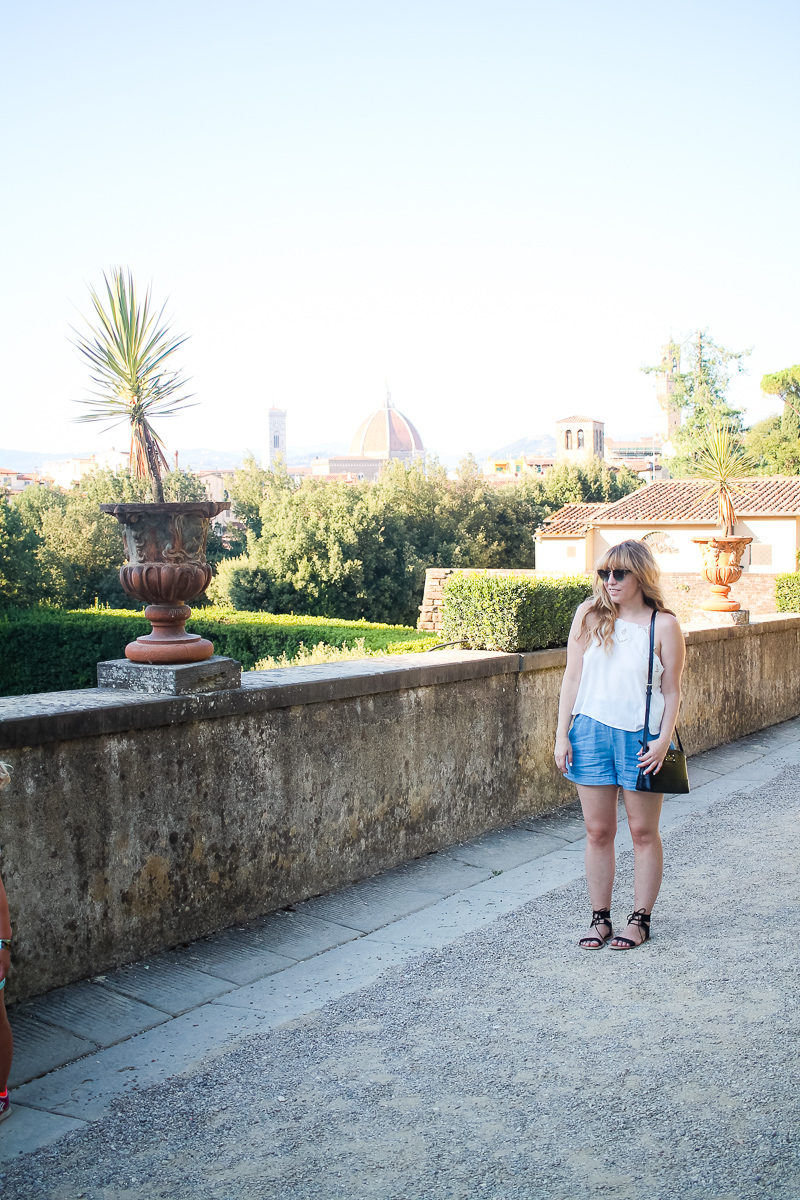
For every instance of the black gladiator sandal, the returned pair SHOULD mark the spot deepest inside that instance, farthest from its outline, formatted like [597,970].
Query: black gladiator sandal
[601,916]
[640,918]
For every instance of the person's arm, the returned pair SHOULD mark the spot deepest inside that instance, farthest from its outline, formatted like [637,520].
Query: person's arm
[576,647]
[672,652]
[5,932]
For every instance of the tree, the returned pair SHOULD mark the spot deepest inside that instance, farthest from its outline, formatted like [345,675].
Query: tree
[251,486]
[361,550]
[127,351]
[80,555]
[701,394]
[33,502]
[773,451]
[19,570]
[786,384]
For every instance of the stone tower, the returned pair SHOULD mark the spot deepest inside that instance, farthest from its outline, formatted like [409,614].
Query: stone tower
[580,438]
[666,383]
[277,436]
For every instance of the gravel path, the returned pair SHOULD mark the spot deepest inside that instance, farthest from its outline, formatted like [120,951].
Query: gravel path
[511,1065]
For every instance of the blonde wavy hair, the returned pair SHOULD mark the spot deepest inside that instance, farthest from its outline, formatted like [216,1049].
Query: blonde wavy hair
[636,557]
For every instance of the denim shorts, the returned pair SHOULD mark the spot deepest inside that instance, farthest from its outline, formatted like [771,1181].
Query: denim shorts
[602,755]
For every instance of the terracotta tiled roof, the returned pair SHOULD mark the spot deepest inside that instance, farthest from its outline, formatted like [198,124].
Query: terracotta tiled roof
[594,420]
[689,501]
[573,520]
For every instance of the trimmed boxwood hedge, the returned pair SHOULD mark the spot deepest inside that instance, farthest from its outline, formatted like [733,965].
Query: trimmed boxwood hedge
[51,650]
[787,592]
[504,612]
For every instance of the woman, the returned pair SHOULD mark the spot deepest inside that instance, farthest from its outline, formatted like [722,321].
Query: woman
[600,728]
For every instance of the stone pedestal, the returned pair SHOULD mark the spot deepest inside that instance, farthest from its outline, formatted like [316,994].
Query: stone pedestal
[704,618]
[216,674]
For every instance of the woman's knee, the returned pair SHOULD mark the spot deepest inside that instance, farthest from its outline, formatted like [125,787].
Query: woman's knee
[644,836]
[600,834]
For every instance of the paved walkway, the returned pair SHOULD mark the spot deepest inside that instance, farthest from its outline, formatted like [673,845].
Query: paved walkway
[83,1049]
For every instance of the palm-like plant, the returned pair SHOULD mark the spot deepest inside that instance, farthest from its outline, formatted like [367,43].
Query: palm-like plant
[722,458]
[127,350]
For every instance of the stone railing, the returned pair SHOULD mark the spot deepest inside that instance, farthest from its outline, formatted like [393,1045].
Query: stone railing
[136,822]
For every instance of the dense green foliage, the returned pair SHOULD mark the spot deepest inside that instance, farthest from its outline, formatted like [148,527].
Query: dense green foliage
[787,592]
[361,550]
[774,451]
[495,612]
[48,649]
[19,575]
[786,384]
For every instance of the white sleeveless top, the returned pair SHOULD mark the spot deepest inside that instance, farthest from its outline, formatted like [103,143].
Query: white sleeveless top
[613,687]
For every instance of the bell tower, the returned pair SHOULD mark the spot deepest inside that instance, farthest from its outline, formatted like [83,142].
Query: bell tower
[667,376]
[276,446]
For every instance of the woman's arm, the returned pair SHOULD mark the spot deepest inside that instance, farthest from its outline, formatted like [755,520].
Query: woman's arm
[672,652]
[576,648]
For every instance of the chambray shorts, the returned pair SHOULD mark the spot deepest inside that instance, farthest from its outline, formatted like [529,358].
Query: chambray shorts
[602,755]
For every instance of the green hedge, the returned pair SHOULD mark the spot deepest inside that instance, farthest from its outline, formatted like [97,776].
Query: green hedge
[504,612]
[50,650]
[787,592]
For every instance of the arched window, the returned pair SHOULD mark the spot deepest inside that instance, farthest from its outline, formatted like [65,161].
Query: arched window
[568,440]
[580,439]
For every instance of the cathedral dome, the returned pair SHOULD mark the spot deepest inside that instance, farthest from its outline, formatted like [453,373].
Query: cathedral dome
[386,433]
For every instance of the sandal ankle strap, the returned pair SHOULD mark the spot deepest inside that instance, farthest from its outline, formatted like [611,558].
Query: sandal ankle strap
[640,917]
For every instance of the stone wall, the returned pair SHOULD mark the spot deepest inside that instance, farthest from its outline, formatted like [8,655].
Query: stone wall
[135,823]
[684,592]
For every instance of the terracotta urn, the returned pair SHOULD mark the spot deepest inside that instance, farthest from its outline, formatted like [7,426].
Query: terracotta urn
[722,566]
[165,545]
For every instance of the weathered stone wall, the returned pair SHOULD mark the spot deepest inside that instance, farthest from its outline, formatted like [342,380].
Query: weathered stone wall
[684,593]
[135,823]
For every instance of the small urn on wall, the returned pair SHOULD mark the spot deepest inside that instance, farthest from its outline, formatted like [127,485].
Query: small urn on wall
[722,566]
[165,546]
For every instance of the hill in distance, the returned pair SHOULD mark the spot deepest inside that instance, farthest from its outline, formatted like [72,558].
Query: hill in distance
[538,447]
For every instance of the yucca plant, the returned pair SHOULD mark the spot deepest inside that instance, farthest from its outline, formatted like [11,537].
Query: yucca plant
[127,350]
[722,458]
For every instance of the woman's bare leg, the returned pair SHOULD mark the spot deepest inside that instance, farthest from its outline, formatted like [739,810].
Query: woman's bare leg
[599,806]
[644,814]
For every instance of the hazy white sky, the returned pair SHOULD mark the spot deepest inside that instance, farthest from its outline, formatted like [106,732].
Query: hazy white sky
[502,208]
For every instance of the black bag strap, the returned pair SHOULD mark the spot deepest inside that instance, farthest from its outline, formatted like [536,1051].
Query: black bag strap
[646,730]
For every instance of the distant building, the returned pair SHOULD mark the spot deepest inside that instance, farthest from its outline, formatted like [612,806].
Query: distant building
[72,470]
[640,455]
[666,383]
[515,468]
[385,434]
[14,482]
[579,438]
[277,437]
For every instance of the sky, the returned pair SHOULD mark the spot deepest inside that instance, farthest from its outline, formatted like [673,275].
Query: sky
[498,211]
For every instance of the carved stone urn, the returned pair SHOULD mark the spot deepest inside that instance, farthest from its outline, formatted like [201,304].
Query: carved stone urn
[722,566]
[165,545]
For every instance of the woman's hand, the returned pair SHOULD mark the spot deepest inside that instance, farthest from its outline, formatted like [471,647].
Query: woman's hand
[563,752]
[651,759]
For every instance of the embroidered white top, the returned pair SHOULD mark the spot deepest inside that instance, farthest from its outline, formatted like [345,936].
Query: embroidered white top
[613,686]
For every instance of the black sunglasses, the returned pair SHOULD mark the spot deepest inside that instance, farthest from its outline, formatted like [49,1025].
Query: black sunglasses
[618,572]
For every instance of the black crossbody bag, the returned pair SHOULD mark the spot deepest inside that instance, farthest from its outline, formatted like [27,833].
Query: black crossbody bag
[673,776]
